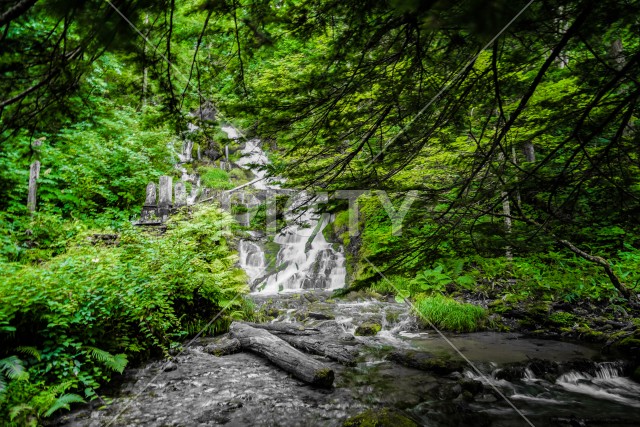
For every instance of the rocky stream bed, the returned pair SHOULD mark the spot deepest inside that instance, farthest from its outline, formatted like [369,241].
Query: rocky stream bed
[401,375]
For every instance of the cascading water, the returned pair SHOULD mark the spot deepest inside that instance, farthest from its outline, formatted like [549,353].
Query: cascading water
[253,258]
[305,260]
[607,383]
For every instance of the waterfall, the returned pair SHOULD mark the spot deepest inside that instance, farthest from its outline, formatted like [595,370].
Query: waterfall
[304,260]
[253,259]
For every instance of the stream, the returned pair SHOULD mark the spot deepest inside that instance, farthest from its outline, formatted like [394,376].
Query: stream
[243,389]
[549,382]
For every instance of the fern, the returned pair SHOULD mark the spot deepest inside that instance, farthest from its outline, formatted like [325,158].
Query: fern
[116,363]
[11,367]
[30,351]
[18,410]
[64,402]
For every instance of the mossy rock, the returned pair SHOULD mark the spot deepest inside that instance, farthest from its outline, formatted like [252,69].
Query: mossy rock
[368,329]
[561,318]
[441,365]
[635,375]
[588,334]
[629,344]
[324,378]
[380,418]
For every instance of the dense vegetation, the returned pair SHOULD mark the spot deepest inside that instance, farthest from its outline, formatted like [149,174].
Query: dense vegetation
[516,137]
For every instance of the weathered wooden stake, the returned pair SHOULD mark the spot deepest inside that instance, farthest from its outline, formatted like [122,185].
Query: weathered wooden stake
[34,173]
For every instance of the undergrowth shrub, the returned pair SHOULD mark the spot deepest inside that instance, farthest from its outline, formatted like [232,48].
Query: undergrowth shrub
[215,178]
[82,315]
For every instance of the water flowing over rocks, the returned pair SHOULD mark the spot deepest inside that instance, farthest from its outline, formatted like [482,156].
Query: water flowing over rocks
[551,382]
[304,259]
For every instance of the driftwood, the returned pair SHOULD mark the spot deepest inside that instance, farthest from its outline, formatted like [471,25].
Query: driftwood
[285,328]
[223,346]
[310,340]
[340,353]
[282,354]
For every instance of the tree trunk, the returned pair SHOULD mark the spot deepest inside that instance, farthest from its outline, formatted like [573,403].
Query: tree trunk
[615,281]
[529,152]
[283,355]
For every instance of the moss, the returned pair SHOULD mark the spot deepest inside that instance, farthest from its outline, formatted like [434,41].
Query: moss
[392,316]
[588,334]
[368,329]
[379,418]
[498,306]
[324,373]
[561,318]
[636,374]
[629,343]
[539,310]
[324,378]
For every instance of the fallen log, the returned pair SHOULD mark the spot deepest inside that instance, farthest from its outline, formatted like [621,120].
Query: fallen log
[223,346]
[282,354]
[323,347]
[285,328]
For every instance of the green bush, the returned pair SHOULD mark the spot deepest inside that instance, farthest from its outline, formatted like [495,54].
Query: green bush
[449,314]
[215,178]
[88,311]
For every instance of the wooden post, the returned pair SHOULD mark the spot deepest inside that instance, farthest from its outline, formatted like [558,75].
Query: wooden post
[34,173]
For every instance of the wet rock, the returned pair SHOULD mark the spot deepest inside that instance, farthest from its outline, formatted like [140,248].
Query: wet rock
[380,418]
[320,316]
[346,337]
[426,361]
[223,345]
[368,329]
[486,398]
[310,297]
[579,365]
[170,367]
[470,385]
[449,391]
[541,367]
[510,373]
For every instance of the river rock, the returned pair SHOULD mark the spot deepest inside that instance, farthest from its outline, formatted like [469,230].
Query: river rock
[368,329]
[426,361]
[170,367]
[486,398]
[380,418]
[320,316]
[470,385]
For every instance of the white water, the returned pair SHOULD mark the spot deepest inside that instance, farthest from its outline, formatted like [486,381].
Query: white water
[254,260]
[606,384]
[305,259]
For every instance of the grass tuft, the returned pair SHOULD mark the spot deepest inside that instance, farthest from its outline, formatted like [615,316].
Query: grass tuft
[449,314]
